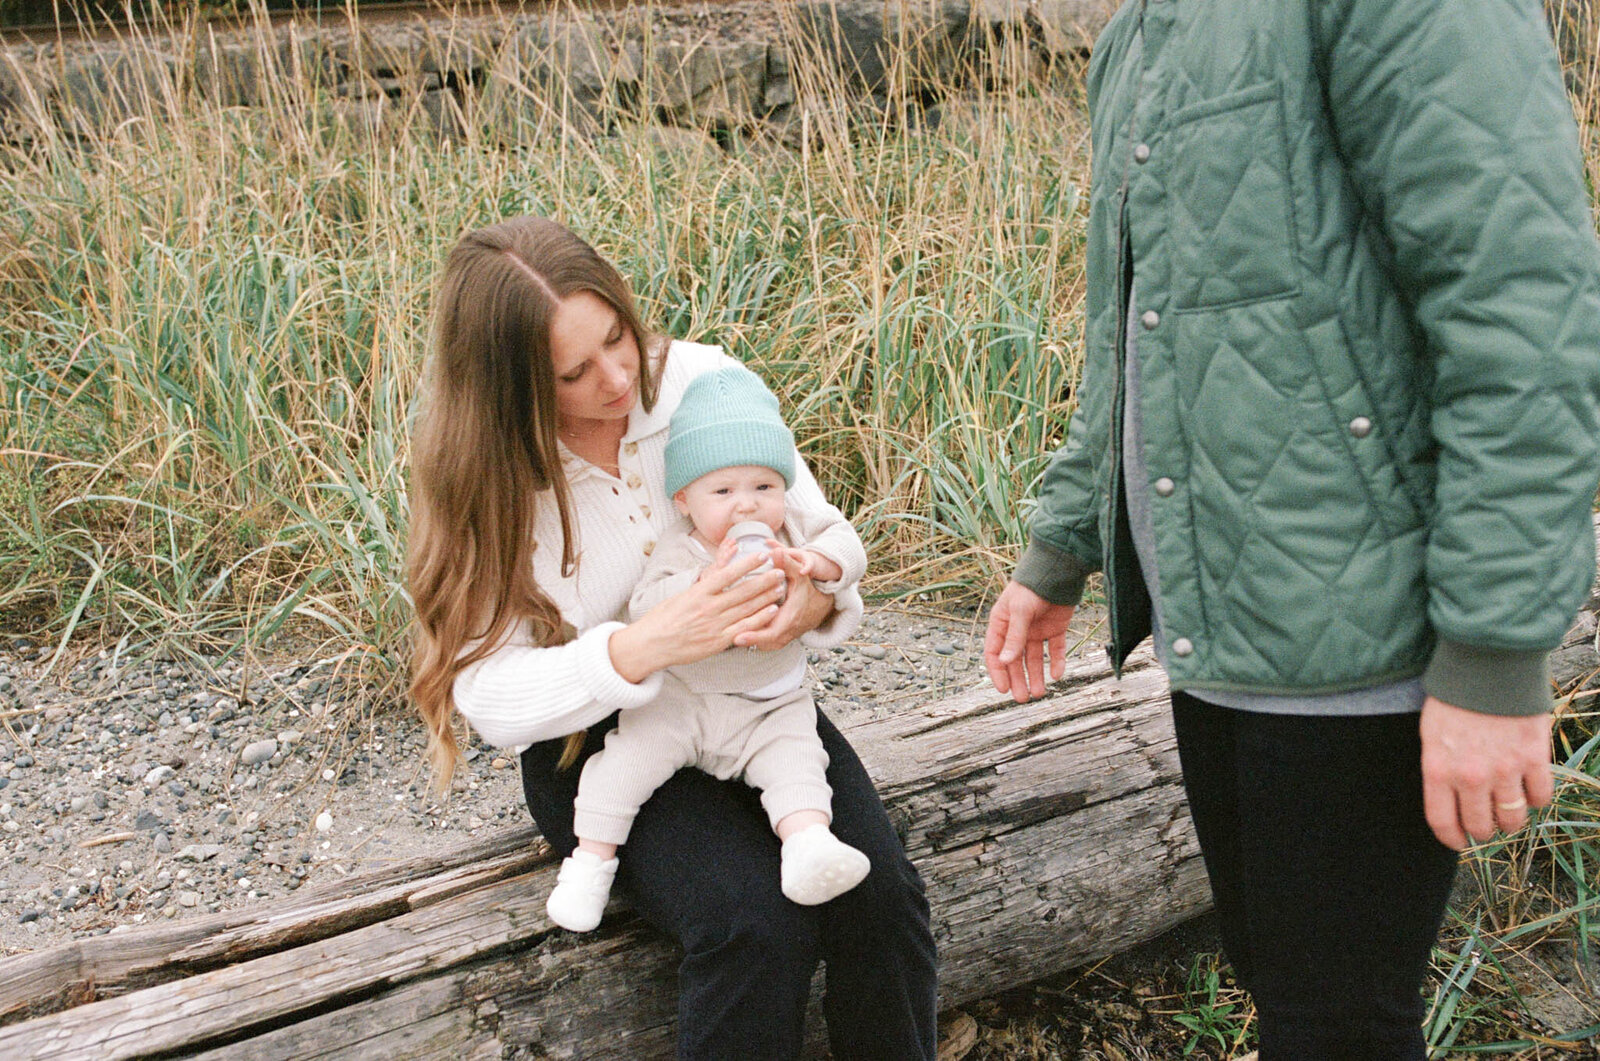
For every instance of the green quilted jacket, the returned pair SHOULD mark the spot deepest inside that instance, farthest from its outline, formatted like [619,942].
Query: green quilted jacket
[1369,343]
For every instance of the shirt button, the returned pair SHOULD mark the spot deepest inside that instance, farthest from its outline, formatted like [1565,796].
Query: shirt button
[1141,154]
[1361,427]
[634,482]
[631,448]
[1150,319]
[1165,486]
[649,547]
[1183,647]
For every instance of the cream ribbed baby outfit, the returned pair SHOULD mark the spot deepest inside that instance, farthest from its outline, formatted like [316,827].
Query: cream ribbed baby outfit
[522,692]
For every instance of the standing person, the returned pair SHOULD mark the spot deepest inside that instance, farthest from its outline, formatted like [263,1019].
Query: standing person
[729,459]
[538,495]
[1335,449]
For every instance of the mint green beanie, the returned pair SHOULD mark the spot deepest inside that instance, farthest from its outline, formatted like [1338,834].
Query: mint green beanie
[727,418]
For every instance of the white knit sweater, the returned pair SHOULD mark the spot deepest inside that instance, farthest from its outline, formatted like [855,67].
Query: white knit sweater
[522,693]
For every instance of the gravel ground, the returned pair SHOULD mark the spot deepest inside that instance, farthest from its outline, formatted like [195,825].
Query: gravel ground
[163,790]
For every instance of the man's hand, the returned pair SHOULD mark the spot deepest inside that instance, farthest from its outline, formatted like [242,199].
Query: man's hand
[1481,772]
[1021,624]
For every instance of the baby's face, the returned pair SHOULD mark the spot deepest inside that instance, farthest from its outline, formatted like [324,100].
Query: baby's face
[717,500]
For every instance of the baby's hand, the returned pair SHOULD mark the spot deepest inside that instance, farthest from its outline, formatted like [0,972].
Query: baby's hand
[814,565]
[723,557]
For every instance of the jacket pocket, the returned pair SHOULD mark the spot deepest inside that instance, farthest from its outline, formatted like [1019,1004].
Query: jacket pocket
[1230,203]
[1362,428]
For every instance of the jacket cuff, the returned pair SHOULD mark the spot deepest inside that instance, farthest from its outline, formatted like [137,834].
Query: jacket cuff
[601,678]
[1492,681]
[1054,574]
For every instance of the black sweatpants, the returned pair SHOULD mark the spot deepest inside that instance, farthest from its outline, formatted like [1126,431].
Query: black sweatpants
[701,864]
[1329,885]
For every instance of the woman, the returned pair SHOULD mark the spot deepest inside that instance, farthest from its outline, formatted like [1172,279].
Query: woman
[538,492]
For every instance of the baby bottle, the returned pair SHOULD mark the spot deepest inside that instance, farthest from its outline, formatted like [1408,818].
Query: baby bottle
[751,536]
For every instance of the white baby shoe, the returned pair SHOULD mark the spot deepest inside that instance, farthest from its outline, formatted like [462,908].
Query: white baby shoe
[818,866]
[581,890]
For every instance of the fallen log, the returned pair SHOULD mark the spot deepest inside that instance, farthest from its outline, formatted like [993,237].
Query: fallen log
[1049,834]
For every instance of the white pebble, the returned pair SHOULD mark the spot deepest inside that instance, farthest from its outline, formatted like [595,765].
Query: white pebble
[324,822]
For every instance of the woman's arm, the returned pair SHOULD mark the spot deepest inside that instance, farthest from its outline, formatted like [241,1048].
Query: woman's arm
[523,693]
[819,526]
[708,617]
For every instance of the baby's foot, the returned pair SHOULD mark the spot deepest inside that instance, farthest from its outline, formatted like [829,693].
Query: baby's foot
[818,866]
[581,890]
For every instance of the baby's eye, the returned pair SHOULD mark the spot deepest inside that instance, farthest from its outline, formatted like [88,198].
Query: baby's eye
[723,491]
[764,486]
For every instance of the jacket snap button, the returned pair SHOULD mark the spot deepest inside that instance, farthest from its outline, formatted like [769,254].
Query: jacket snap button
[649,547]
[1141,154]
[1165,486]
[634,482]
[1361,427]
[1183,647]
[1150,318]
[631,448]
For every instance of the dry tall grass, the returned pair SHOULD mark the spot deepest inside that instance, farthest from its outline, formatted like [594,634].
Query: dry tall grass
[212,319]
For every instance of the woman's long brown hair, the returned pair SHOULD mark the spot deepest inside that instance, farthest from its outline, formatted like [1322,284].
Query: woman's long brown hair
[484,449]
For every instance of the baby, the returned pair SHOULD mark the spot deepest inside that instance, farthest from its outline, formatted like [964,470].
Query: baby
[741,713]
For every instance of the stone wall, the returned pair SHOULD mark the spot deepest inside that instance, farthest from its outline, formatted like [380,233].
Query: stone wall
[709,66]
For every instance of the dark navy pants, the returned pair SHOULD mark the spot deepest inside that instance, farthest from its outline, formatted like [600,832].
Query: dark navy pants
[701,864]
[1329,885]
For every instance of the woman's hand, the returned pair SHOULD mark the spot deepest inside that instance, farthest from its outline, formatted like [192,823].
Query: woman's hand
[804,608]
[701,621]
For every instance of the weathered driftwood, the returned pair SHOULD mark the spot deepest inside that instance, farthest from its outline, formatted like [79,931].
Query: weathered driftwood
[1048,833]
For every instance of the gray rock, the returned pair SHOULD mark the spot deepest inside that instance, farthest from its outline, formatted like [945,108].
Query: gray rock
[158,774]
[874,651]
[163,845]
[199,852]
[925,42]
[258,752]
[148,821]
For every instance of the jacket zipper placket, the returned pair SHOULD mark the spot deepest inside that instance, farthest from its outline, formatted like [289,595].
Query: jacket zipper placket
[1114,484]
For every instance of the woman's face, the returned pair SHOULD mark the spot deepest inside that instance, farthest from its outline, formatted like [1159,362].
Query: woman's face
[595,359]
